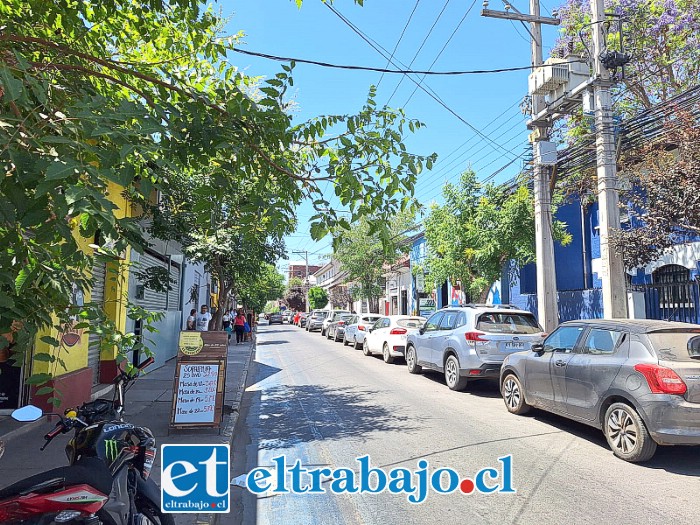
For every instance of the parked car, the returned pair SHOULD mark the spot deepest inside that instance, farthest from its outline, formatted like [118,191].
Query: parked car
[275,318]
[470,342]
[355,332]
[336,329]
[315,320]
[334,315]
[287,316]
[388,336]
[636,380]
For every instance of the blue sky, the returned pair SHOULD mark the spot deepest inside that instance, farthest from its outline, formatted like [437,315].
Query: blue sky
[489,102]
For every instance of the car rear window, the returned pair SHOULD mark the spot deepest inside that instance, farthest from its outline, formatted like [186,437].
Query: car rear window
[508,323]
[676,346]
[372,318]
[410,323]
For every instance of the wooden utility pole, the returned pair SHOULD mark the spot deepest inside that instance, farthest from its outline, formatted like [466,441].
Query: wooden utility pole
[548,312]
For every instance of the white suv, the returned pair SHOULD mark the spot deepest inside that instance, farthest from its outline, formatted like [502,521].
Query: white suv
[334,315]
[471,342]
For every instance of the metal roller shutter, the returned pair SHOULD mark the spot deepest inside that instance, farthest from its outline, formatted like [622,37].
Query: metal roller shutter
[98,297]
[174,292]
[152,300]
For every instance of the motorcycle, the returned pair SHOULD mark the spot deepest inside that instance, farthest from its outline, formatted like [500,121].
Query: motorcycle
[108,478]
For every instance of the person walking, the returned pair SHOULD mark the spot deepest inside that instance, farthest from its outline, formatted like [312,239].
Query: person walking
[192,319]
[239,326]
[203,319]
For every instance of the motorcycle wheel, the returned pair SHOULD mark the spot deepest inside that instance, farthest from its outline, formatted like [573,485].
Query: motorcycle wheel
[154,515]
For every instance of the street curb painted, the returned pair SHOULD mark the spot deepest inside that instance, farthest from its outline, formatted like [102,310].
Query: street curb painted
[230,427]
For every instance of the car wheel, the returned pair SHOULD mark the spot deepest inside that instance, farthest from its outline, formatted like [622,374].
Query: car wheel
[452,377]
[345,341]
[412,361]
[355,344]
[365,349]
[627,434]
[335,337]
[513,395]
[323,332]
[388,358]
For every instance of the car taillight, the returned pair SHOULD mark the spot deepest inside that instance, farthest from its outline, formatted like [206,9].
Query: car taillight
[398,331]
[341,323]
[360,327]
[475,336]
[661,380]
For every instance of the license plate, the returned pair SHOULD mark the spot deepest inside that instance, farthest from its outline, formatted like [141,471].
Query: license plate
[514,346]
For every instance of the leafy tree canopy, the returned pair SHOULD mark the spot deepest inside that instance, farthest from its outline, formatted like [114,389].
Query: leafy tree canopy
[139,98]
[318,297]
[478,230]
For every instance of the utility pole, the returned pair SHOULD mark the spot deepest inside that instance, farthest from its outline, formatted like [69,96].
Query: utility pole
[613,270]
[306,281]
[548,311]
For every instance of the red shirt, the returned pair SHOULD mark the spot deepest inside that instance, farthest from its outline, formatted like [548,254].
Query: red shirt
[239,320]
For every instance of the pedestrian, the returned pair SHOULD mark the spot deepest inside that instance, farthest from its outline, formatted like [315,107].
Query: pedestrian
[227,320]
[239,326]
[203,319]
[192,319]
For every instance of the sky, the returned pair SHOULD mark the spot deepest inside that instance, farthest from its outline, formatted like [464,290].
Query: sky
[442,35]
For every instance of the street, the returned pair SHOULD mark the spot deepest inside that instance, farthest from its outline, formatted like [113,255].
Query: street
[326,405]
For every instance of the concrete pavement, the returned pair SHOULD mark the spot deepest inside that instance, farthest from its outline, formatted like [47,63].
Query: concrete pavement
[148,403]
[326,405]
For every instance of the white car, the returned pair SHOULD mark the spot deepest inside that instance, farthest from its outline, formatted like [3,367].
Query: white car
[388,336]
[333,316]
[355,333]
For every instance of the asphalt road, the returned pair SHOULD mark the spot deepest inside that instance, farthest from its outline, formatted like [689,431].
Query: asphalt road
[326,405]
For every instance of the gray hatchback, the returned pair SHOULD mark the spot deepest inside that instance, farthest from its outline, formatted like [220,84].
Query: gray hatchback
[636,380]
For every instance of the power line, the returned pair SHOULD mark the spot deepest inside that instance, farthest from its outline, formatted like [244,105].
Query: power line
[403,31]
[278,58]
[430,32]
[459,24]
[431,95]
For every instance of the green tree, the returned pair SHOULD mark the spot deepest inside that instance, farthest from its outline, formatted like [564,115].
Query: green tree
[318,297]
[364,251]
[478,231]
[142,95]
[268,285]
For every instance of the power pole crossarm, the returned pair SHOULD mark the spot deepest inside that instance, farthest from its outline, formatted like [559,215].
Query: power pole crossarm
[522,17]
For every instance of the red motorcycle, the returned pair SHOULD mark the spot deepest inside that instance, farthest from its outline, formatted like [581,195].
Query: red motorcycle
[108,480]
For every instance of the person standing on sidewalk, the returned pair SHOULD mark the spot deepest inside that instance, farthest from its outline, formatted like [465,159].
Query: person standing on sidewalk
[203,319]
[239,326]
[192,320]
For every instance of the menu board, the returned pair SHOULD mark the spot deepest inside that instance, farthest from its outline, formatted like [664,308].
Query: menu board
[195,399]
[200,378]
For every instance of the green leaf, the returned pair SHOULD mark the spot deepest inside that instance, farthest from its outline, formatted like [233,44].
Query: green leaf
[44,390]
[6,302]
[59,171]
[38,379]
[51,341]
[11,86]
[21,280]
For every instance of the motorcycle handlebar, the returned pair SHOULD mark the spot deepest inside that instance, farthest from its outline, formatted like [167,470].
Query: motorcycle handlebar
[59,429]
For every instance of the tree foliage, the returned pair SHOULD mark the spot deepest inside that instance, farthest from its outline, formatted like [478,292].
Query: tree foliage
[663,195]
[318,297]
[662,37]
[478,230]
[268,285]
[294,295]
[364,253]
[139,98]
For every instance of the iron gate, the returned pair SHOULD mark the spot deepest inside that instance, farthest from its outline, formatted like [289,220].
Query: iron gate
[671,301]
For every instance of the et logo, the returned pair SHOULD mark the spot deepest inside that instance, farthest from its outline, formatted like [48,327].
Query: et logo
[195,478]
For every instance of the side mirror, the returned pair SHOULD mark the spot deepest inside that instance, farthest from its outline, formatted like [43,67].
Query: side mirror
[422,330]
[27,413]
[537,348]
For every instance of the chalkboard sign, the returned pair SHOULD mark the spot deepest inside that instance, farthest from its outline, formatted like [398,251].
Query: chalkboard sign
[200,380]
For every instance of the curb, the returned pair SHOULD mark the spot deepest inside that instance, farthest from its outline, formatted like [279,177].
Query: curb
[229,428]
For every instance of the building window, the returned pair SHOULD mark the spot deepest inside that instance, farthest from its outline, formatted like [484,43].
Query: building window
[671,273]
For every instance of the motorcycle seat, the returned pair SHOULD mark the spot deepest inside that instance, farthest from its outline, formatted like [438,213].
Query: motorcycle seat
[86,471]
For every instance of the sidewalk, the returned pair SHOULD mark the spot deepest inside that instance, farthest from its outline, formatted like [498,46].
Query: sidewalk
[148,403]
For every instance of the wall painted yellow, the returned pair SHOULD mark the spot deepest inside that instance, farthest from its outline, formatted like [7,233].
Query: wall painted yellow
[116,292]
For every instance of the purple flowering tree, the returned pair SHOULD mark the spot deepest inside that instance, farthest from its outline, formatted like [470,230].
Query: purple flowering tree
[662,36]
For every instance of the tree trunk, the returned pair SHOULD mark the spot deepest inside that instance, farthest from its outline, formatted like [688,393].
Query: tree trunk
[483,295]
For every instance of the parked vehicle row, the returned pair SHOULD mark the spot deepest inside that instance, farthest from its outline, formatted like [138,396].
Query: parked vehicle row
[636,380]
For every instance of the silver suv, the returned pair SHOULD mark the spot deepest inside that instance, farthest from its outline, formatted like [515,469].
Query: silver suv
[334,316]
[470,342]
[315,320]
